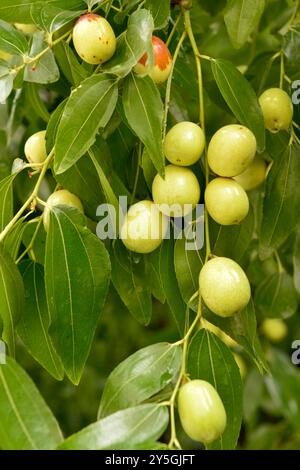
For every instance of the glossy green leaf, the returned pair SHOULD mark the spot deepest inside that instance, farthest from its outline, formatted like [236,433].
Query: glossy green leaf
[13,240]
[89,107]
[69,65]
[132,44]
[53,125]
[170,284]
[160,10]
[12,40]
[211,360]
[38,105]
[282,200]
[291,48]
[241,19]
[38,247]
[122,430]
[276,296]
[129,279]
[77,272]
[6,200]
[144,114]
[50,18]
[26,422]
[45,69]
[139,377]
[6,83]
[240,97]
[34,324]
[11,298]
[19,11]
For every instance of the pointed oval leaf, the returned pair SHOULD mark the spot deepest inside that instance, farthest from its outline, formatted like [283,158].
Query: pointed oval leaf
[6,200]
[77,272]
[45,69]
[211,360]
[34,324]
[240,97]
[12,40]
[89,107]
[160,10]
[26,422]
[241,19]
[19,11]
[276,296]
[139,377]
[122,430]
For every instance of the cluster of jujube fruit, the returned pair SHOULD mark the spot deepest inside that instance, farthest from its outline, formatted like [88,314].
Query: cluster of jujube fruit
[232,159]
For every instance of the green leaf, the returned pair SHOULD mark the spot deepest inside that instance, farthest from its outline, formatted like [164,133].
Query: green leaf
[6,200]
[276,296]
[144,114]
[34,324]
[296,262]
[243,329]
[45,69]
[38,105]
[188,264]
[139,377]
[153,275]
[69,65]
[160,10]
[240,97]
[282,200]
[50,18]
[37,251]
[132,44]
[11,298]
[26,422]
[77,272]
[89,107]
[211,360]
[6,83]
[12,40]
[53,125]
[242,18]
[170,284]
[122,430]
[13,239]
[291,48]
[19,11]
[129,279]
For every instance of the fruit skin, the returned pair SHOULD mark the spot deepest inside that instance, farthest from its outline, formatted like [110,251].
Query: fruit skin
[224,286]
[35,147]
[184,143]
[62,197]
[254,175]
[161,69]
[26,28]
[274,329]
[231,149]
[179,187]
[201,411]
[142,219]
[94,39]
[226,201]
[277,109]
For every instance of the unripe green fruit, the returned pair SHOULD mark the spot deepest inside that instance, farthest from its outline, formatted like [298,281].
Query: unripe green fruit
[94,39]
[277,109]
[224,286]
[160,71]
[60,198]
[226,201]
[201,411]
[184,143]
[35,147]
[274,329]
[231,149]
[254,175]
[144,227]
[26,28]
[178,193]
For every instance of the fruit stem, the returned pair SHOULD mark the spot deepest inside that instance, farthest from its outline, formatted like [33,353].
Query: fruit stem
[282,71]
[173,30]
[30,245]
[197,55]
[169,82]
[30,199]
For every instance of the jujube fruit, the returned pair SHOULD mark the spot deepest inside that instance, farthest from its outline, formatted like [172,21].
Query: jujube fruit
[161,68]
[201,411]
[94,39]
[226,201]
[277,109]
[184,143]
[63,197]
[274,329]
[224,286]
[254,175]
[231,149]
[35,147]
[144,227]
[178,193]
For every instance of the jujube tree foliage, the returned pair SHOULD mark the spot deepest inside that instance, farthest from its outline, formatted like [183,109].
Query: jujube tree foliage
[169,105]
